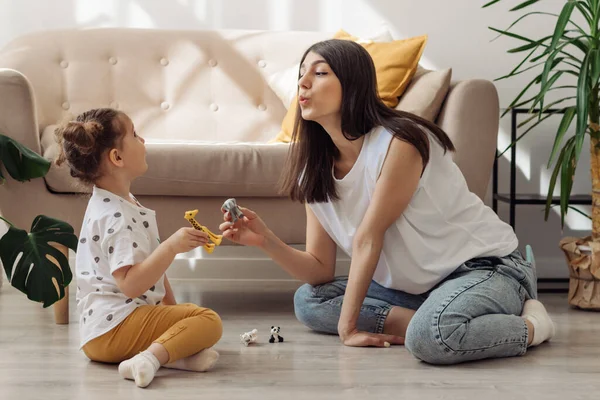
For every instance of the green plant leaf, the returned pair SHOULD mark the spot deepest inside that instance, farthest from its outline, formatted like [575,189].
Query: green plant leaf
[583,95]
[548,84]
[581,45]
[544,89]
[514,71]
[544,110]
[33,265]
[522,18]
[521,104]
[577,67]
[519,37]
[552,183]
[20,162]
[529,129]
[561,24]
[577,210]
[560,49]
[511,105]
[535,80]
[566,179]
[565,123]
[525,47]
[585,10]
[548,66]
[594,66]
[490,3]
[523,5]
[512,35]
[554,47]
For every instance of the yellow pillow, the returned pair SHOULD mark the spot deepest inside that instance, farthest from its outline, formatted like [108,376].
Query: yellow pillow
[395,63]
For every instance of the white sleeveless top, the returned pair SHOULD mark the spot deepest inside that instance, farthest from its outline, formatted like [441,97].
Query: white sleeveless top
[443,226]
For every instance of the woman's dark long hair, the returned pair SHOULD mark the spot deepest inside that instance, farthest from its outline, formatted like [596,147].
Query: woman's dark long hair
[307,176]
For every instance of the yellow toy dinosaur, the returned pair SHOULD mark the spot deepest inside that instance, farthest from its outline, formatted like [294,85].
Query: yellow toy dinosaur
[216,239]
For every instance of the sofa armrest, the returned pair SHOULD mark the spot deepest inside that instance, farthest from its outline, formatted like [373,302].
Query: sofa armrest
[471,117]
[18,118]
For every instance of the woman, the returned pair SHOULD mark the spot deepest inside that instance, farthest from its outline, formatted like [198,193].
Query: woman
[432,266]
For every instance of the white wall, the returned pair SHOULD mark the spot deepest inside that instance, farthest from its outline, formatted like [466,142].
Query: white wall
[458,38]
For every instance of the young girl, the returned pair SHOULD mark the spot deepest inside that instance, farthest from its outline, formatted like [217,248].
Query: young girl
[432,267]
[128,312]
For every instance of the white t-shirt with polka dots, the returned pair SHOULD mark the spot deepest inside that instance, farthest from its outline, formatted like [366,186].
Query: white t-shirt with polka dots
[115,233]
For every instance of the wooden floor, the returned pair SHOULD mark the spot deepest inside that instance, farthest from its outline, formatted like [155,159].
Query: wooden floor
[41,360]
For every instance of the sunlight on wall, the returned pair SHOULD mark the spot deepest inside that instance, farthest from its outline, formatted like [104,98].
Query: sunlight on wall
[330,16]
[101,14]
[122,13]
[280,15]
[203,13]
[137,17]
[523,157]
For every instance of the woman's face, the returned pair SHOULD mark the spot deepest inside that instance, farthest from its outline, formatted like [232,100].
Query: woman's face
[319,90]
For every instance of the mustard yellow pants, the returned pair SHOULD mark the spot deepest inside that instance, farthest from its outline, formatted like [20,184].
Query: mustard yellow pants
[183,329]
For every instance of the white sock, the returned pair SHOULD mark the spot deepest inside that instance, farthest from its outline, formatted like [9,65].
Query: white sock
[199,362]
[543,327]
[140,368]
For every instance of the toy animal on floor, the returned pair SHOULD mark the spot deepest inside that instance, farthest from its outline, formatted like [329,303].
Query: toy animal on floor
[275,336]
[234,210]
[249,337]
[215,239]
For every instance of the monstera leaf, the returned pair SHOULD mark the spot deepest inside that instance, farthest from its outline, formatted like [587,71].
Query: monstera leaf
[33,265]
[21,163]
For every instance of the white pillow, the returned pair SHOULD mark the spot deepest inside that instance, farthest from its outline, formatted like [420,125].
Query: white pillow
[285,83]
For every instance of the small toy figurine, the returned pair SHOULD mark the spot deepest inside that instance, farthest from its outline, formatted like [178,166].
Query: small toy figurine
[249,337]
[275,335]
[215,239]
[231,206]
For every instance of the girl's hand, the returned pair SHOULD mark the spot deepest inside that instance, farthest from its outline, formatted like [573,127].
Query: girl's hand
[186,239]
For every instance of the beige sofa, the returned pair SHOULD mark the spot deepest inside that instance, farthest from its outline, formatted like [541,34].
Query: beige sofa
[202,101]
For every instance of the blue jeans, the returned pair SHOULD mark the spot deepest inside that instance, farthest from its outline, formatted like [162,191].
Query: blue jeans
[471,315]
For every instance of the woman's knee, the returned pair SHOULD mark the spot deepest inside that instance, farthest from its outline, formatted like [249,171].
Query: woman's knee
[304,304]
[307,308]
[423,341]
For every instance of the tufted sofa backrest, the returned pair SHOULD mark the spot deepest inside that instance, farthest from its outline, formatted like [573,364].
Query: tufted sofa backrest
[175,85]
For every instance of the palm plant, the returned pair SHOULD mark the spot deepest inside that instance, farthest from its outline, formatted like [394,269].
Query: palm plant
[571,49]
[34,262]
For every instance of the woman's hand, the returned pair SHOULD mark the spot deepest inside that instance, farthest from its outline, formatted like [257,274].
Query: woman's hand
[350,336]
[249,230]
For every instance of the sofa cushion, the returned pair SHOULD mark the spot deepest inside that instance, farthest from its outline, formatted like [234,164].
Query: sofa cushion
[426,93]
[395,63]
[190,168]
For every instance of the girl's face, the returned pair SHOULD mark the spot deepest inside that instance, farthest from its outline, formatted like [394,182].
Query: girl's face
[132,155]
[319,90]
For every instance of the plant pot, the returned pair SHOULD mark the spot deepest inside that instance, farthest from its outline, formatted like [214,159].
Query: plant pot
[583,259]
